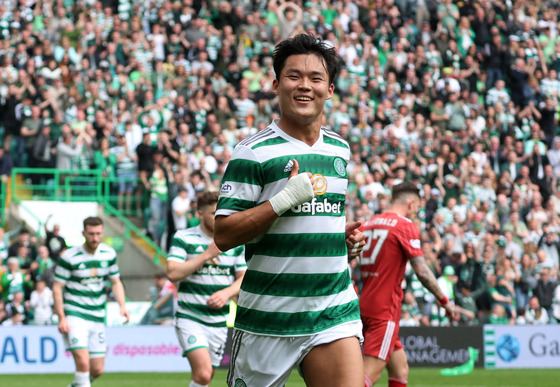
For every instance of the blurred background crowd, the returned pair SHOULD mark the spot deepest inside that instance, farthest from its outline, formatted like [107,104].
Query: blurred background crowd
[460,97]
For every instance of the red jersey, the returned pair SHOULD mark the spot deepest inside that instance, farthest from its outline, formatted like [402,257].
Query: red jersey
[391,240]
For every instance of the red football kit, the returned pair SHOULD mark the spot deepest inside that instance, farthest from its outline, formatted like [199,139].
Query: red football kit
[391,240]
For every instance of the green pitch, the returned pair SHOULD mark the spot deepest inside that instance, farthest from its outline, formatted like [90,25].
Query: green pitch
[419,377]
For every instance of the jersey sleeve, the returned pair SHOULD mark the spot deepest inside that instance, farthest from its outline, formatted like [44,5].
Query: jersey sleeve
[178,250]
[242,183]
[240,264]
[114,268]
[63,270]
[409,238]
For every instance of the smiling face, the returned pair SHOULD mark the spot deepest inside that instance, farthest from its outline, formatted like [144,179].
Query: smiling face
[303,87]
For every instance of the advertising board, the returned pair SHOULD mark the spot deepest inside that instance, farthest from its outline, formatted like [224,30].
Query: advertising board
[522,346]
[34,349]
[440,346]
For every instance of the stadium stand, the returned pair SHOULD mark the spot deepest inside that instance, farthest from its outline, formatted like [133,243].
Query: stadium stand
[460,98]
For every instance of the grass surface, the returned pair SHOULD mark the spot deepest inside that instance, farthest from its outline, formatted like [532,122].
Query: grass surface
[419,377]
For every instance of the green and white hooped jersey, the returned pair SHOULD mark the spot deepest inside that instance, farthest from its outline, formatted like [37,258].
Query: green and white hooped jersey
[84,276]
[297,280]
[195,290]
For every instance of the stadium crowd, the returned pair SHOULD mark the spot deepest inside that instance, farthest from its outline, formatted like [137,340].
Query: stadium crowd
[460,98]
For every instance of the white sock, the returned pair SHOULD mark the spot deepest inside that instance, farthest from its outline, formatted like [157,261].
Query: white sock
[193,384]
[81,379]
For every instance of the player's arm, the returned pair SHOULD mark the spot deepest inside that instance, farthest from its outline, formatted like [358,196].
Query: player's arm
[427,278]
[241,227]
[118,292]
[219,299]
[177,271]
[58,308]
[244,226]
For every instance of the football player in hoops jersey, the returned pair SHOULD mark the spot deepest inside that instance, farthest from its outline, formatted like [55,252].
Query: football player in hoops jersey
[80,297]
[283,196]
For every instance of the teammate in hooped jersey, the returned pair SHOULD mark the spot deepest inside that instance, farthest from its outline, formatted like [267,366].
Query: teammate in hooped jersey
[392,239]
[80,298]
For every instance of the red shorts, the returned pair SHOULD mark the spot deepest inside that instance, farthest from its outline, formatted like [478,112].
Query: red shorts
[381,337]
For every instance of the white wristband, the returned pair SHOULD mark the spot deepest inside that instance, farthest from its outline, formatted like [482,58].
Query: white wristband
[298,190]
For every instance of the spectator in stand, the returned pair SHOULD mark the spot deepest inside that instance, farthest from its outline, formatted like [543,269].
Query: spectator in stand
[67,150]
[3,312]
[125,172]
[161,287]
[550,244]
[526,280]
[158,199]
[556,304]
[54,241]
[42,153]
[499,316]
[544,291]
[26,141]
[45,266]
[179,207]
[6,165]
[535,314]
[290,17]
[24,239]
[410,306]
[94,73]
[518,76]
[14,280]
[18,307]
[41,303]
[497,94]
[466,300]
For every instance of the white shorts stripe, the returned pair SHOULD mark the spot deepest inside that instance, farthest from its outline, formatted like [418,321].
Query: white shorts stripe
[384,352]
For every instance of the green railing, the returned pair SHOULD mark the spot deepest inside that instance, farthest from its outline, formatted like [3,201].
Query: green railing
[56,184]
[78,186]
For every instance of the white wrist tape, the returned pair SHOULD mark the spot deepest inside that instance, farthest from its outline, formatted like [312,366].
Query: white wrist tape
[298,190]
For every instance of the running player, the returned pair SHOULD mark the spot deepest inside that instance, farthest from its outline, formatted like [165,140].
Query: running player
[297,306]
[209,279]
[80,297]
[392,239]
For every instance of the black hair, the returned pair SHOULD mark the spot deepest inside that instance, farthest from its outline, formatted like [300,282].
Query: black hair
[305,44]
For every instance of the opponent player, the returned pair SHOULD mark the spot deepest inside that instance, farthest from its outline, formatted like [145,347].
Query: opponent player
[391,240]
[209,279]
[297,306]
[80,297]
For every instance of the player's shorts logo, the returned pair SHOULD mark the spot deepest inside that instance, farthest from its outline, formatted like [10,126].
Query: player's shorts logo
[319,184]
[240,383]
[339,166]
[191,339]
